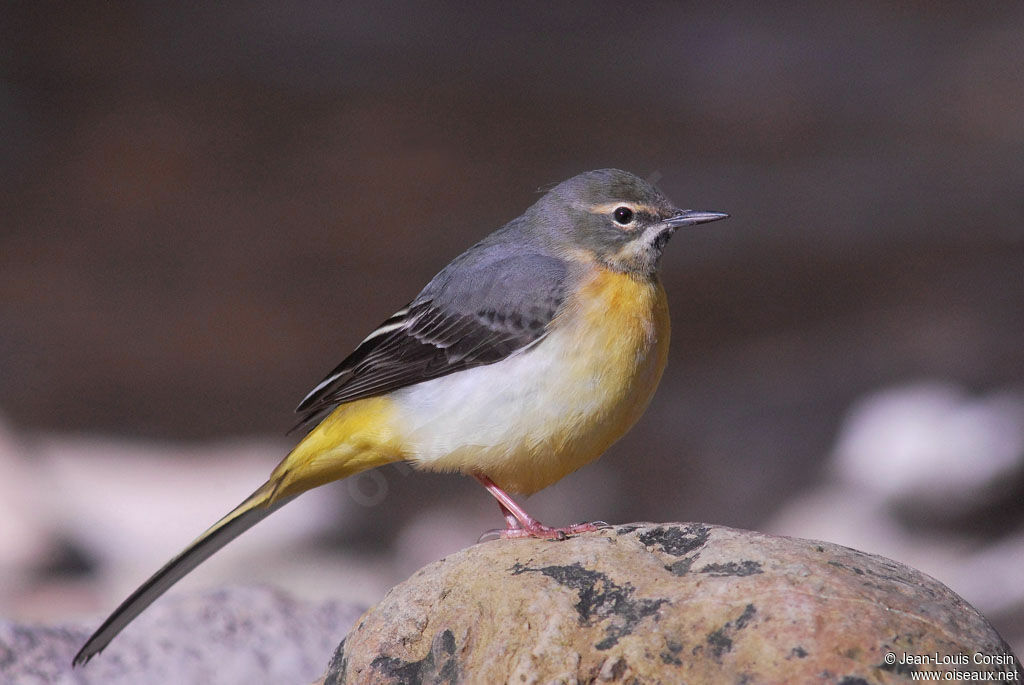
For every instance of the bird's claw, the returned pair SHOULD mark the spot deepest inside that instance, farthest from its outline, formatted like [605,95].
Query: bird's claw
[493,534]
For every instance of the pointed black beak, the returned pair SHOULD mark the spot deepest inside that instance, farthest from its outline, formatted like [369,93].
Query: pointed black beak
[692,217]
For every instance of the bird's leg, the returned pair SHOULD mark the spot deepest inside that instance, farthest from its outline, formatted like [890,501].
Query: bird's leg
[521,524]
[510,518]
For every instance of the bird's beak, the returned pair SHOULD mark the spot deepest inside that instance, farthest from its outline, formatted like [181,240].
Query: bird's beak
[661,232]
[692,217]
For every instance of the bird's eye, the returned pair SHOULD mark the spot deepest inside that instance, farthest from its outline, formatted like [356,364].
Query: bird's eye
[623,215]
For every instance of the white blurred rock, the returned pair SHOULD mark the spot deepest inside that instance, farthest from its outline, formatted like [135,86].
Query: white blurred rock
[129,506]
[933,446]
[25,543]
[139,503]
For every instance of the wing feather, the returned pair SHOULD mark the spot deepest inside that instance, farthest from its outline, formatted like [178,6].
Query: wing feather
[467,316]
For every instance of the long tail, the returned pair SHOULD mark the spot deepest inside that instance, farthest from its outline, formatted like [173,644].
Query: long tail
[254,509]
[356,437]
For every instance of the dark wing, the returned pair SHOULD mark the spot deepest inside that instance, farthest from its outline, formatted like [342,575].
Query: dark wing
[470,314]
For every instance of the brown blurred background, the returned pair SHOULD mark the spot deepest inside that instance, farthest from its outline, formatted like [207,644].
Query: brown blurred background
[206,208]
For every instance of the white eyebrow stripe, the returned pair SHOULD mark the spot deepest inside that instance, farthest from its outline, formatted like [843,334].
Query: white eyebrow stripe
[608,207]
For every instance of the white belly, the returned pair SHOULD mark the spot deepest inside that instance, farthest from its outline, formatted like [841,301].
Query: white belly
[500,407]
[538,415]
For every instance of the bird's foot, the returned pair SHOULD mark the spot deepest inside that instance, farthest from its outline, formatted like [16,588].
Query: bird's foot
[536,529]
[522,525]
[539,530]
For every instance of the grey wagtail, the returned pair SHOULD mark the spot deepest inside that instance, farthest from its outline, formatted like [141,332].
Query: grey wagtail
[522,360]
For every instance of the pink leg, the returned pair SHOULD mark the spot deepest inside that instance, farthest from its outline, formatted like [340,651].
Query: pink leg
[510,518]
[522,525]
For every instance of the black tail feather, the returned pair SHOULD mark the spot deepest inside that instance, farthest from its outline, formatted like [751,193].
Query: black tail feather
[247,514]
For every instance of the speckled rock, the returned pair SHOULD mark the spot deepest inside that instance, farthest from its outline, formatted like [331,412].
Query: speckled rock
[667,603]
[231,635]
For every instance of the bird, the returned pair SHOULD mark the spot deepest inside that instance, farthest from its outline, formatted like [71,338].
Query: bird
[521,361]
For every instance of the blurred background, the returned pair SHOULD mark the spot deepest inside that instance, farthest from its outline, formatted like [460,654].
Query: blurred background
[207,207]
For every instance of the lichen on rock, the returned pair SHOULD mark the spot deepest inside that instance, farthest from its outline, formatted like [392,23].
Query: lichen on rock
[680,602]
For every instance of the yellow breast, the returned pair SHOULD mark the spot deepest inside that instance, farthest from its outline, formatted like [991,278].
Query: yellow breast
[622,338]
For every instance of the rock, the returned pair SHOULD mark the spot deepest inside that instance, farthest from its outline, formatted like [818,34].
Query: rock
[234,635]
[666,603]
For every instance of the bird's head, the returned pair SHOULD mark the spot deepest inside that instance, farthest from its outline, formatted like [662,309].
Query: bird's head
[614,217]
